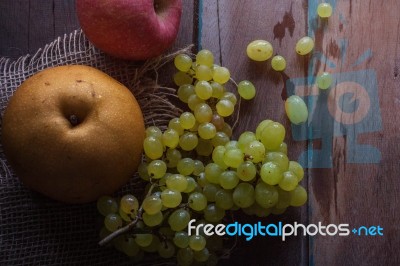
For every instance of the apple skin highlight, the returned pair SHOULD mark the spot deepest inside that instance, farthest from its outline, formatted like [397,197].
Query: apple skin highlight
[131,30]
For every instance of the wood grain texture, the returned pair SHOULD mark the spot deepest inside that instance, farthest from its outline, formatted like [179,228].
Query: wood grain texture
[361,38]
[26,26]
[361,194]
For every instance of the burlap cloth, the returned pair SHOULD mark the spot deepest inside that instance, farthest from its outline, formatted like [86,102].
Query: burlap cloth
[35,230]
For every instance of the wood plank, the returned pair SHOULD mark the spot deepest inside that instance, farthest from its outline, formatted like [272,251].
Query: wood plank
[361,42]
[27,26]
[281,23]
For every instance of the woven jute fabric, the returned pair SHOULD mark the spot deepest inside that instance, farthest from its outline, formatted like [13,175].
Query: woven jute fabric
[35,230]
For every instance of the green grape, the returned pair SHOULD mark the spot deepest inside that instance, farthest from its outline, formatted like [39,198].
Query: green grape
[195,127]
[170,138]
[202,180]
[296,110]
[184,256]
[129,247]
[259,50]
[224,199]
[143,240]
[203,113]
[213,214]
[197,201]
[112,222]
[209,191]
[153,131]
[176,182]
[185,91]
[157,169]
[278,63]
[227,130]
[282,148]
[191,185]
[260,211]
[203,90]
[107,205]
[193,101]
[280,159]
[181,239]
[212,172]
[175,124]
[218,121]
[266,195]
[188,141]
[104,232]
[172,157]
[142,170]
[187,120]
[204,148]
[221,75]
[185,166]
[197,242]
[233,158]
[305,45]
[324,10]
[228,179]
[152,219]
[153,147]
[270,173]
[284,198]
[183,62]
[220,139]
[246,171]
[179,219]
[298,196]
[205,57]
[225,108]
[129,204]
[152,204]
[263,124]
[245,138]
[153,247]
[243,195]
[289,181]
[171,198]
[167,232]
[166,250]
[207,130]
[255,150]
[232,144]
[203,73]
[230,97]
[201,255]
[324,81]
[246,90]
[127,217]
[182,78]
[273,135]
[218,156]
[218,90]
[297,169]
[198,167]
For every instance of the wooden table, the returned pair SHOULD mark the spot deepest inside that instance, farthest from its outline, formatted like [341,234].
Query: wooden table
[352,145]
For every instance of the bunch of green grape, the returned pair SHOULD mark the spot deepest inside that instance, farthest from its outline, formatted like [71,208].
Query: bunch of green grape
[195,170]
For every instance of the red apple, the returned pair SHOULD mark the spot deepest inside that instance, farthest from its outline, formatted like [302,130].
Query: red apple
[130,29]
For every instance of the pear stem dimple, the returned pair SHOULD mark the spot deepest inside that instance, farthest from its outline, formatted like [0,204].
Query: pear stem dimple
[73,119]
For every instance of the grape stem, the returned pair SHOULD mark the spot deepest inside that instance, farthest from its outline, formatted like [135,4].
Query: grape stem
[238,110]
[129,226]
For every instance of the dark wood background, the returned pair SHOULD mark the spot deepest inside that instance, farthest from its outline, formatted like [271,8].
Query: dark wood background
[364,193]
